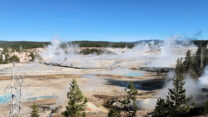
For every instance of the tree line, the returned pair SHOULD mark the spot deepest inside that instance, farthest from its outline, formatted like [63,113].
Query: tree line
[194,64]
[32,44]
[177,104]
[6,58]
[17,45]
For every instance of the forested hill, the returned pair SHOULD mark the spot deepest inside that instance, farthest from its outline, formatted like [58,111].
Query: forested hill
[23,44]
[200,42]
[33,44]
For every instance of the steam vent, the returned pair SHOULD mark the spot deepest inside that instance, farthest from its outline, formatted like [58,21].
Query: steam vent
[103,58]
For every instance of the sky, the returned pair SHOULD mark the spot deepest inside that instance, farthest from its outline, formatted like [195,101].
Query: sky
[106,20]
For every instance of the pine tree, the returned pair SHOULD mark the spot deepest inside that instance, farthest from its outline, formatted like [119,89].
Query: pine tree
[205,57]
[177,95]
[1,59]
[176,103]
[77,102]
[188,61]
[179,66]
[130,102]
[198,61]
[6,53]
[34,112]
[32,56]
[162,108]
[114,112]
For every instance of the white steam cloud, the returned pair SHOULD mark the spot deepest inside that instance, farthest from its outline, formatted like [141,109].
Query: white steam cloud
[156,54]
[203,80]
[170,51]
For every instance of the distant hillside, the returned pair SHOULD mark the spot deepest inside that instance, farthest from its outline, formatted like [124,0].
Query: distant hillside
[29,44]
[104,44]
[23,44]
[200,42]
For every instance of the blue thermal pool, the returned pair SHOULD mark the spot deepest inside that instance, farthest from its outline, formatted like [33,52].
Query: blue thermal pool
[42,97]
[134,74]
[5,98]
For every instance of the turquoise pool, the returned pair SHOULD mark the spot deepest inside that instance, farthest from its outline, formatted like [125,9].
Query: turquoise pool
[134,74]
[42,97]
[5,98]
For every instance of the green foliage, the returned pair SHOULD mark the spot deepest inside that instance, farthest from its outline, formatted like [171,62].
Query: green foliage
[1,60]
[91,51]
[129,104]
[77,102]
[196,110]
[114,112]
[6,58]
[15,45]
[126,105]
[176,103]
[32,56]
[5,50]
[179,67]
[34,112]
[97,51]
[188,61]
[177,95]
[162,108]
[14,58]
[104,44]
[200,42]
[194,64]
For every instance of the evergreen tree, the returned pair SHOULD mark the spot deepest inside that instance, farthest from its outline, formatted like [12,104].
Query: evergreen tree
[177,94]
[205,62]
[14,58]
[34,112]
[194,64]
[129,103]
[77,102]
[176,103]
[6,58]
[5,51]
[179,66]
[32,56]
[198,61]
[187,62]
[114,112]
[162,108]
[1,59]
[6,54]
